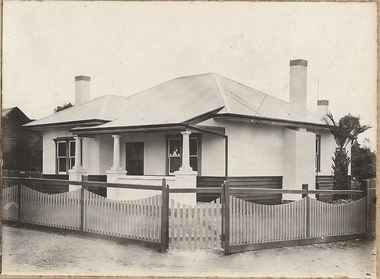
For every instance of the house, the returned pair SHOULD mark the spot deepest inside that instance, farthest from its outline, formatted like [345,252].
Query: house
[188,128]
[21,147]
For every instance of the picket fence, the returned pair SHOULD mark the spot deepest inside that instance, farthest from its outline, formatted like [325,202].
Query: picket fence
[256,223]
[136,219]
[195,227]
[230,223]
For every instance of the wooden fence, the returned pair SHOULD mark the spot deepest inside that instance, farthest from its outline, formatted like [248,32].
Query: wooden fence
[195,227]
[272,182]
[230,222]
[145,220]
[250,226]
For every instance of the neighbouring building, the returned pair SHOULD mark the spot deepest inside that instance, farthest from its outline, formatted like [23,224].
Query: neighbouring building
[21,147]
[191,130]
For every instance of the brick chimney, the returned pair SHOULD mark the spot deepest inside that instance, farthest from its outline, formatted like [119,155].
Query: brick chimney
[82,89]
[322,108]
[298,88]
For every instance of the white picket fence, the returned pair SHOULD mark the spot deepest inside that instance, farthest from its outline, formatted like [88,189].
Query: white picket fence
[195,227]
[137,219]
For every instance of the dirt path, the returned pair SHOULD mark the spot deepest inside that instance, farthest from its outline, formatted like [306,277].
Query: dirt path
[40,253]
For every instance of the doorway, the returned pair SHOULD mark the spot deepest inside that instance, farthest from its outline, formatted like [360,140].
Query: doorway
[135,158]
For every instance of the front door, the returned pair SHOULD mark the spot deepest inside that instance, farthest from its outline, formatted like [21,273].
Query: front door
[135,158]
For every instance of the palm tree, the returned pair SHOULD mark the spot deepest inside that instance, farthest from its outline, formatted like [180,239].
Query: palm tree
[344,132]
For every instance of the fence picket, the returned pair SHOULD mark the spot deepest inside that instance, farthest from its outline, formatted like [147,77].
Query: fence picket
[218,221]
[191,233]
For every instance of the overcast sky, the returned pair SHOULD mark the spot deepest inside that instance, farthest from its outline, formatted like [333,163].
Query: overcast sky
[126,47]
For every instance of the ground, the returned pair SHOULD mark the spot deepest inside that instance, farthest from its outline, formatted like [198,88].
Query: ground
[41,253]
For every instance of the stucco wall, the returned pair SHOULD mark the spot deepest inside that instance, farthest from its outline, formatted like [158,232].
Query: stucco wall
[213,155]
[298,161]
[105,160]
[154,151]
[327,152]
[90,153]
[254,150]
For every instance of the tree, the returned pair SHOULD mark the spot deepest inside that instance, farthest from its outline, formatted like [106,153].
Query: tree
[344,132]
[65,106]
[363,161]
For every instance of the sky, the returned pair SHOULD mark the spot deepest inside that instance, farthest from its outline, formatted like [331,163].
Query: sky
[127,47]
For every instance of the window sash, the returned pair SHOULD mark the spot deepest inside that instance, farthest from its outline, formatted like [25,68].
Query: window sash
[65,156]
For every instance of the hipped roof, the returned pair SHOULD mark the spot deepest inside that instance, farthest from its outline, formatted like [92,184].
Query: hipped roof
[180,101]
[102,109]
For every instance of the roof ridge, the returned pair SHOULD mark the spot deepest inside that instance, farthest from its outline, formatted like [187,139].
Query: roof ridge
[220,92]
[103,106]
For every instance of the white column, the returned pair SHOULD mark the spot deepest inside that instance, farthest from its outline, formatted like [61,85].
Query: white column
[78,153]
[116,152]
[185,177]
[115,172]
[76,173]
[185,151]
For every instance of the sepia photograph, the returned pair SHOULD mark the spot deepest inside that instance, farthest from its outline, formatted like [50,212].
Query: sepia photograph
[189,139]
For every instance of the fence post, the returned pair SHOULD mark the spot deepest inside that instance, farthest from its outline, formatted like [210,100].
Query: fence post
[82,204]
[370,207]
[19,196]
[227,218]
[165,217]
[222,237]
[306,187]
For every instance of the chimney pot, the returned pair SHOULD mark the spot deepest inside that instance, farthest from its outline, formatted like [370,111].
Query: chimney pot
[85,78]
[298,62]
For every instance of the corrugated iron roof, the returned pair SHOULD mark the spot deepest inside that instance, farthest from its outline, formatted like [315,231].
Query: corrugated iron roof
[179,101]
[105,108]
[185,98]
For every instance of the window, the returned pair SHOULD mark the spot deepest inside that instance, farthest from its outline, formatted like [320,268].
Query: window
[318,153]
[135,158]
[175,154]
[194,153]
[65,155]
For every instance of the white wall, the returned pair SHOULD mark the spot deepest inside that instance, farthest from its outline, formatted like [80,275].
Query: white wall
[90,155]
[154,151]
[298,161]
[212,155]
[328,146]
[254,150]
[105,160]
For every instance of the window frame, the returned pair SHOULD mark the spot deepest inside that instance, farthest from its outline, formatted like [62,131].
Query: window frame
[179,137]
[318,153]
[70,158]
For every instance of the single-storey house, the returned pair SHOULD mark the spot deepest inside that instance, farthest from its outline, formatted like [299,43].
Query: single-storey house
[189,128]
